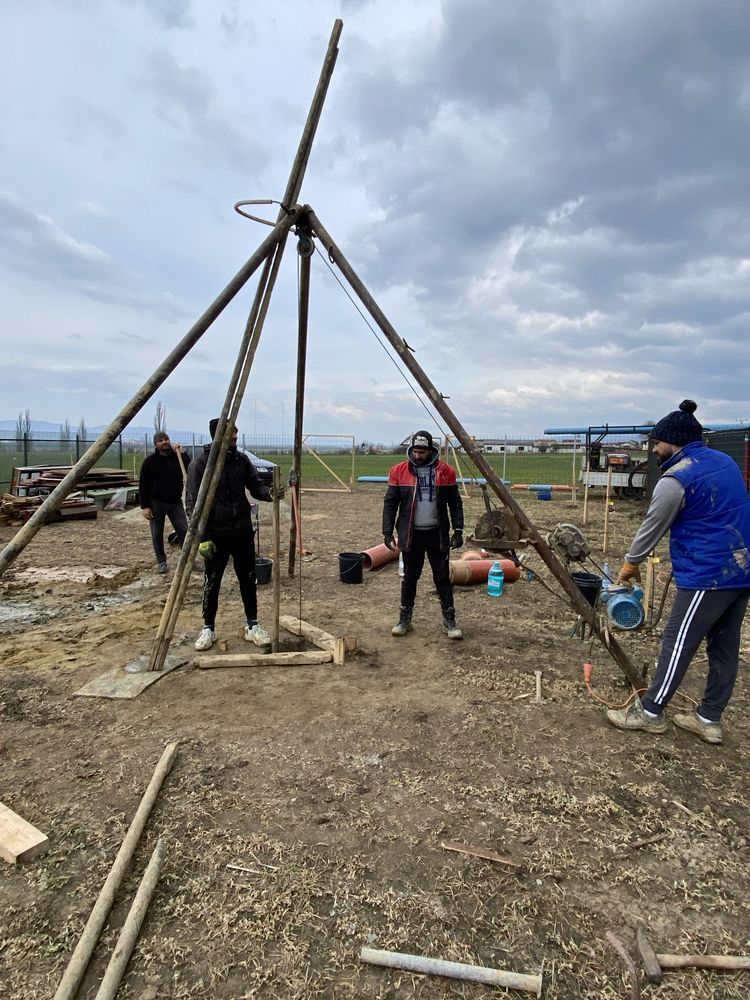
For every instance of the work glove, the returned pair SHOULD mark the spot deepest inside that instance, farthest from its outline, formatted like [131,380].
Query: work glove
[390,542]
[457,540]
[207,549]
[629,572]
[280,493]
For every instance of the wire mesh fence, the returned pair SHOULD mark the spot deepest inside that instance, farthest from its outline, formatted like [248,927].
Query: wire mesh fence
[330,461]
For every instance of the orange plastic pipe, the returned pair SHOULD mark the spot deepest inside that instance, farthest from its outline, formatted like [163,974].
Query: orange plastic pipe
[467,571]
[378,556]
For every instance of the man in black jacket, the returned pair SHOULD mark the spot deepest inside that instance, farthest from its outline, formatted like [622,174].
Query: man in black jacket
[160,494]
[229,533]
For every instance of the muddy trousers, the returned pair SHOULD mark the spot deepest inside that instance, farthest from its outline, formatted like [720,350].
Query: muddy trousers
[240,547]
[713,615]
[176,514]
[426,543]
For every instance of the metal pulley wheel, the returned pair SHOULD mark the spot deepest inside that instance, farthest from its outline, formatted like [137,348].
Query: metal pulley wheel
[497,529]
[305,246]
[569,542]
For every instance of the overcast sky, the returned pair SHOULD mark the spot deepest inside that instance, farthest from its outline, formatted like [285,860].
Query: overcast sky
[549,199]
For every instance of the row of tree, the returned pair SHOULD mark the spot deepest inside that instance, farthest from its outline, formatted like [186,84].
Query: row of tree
[24,426]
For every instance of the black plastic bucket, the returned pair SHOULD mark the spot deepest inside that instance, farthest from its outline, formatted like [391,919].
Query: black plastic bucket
[589,584]
[350,567]
[263,570]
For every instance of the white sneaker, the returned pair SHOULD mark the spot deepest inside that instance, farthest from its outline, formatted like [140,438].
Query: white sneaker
[206,639]
[258,635]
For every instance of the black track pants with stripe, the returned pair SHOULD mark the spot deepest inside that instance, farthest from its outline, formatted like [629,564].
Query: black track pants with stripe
[713,615]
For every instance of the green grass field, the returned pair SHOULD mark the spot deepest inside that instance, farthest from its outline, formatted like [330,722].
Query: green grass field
[555,469]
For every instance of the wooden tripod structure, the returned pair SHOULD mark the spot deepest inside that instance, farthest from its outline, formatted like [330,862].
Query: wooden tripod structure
[269,254]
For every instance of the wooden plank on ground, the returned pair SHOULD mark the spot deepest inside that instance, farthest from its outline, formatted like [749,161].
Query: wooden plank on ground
[19,840]
[263,660]
[323,640]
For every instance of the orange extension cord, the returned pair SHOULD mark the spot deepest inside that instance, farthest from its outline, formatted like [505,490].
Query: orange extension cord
[588,670]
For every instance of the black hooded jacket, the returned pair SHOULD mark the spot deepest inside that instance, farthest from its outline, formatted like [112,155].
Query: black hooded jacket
[230,512]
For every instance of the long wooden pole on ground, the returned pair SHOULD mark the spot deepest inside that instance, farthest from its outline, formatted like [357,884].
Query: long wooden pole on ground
[81,957]
[579,603]
[128,936]
[66,486]
[236,390]
[295,482]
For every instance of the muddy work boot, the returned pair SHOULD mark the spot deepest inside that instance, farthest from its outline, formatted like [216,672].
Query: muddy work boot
[709,732]
[633,717]
[449,624]
[404,623]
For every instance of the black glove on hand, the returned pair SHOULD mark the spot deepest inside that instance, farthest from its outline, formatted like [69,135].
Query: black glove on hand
[390,542]
[458,540]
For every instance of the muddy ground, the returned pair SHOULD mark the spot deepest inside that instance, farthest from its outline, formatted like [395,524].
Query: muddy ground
[333,787]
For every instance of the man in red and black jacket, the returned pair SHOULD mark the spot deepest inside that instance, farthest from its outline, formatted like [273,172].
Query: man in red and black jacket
[421,503]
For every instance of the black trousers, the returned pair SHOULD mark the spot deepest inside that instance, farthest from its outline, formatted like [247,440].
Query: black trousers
[176,514]
[240,547]
[713,615]
[426,543]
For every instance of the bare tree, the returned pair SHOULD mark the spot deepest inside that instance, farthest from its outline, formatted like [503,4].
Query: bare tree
[23,424]
[160,417]
[65,432]
[82,429]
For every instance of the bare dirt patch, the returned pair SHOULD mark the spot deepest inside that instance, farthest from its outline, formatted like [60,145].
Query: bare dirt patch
[333,787]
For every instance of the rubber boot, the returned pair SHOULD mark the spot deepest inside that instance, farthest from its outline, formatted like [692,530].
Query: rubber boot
[449,624]
[404,622]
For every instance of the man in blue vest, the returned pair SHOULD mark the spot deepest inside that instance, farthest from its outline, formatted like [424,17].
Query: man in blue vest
[702,501]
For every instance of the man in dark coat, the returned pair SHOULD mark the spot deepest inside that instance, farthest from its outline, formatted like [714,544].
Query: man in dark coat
[421,503]
[229,534]
[160,494]
[702,501]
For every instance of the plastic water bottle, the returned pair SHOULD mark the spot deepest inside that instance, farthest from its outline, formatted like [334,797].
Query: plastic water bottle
[607,578]
[401,564]
[495,579]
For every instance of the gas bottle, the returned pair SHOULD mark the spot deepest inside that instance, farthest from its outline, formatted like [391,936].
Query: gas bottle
[495,580]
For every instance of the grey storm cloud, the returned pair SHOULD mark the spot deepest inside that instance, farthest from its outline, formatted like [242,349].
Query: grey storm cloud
[34,244]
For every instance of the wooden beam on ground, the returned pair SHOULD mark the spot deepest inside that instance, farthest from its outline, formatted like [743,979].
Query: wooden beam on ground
[323,640]
[263,660]
[19,840]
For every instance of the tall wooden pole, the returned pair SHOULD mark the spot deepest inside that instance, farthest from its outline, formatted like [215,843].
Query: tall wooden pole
[236,390]
[545,552]
[295,480]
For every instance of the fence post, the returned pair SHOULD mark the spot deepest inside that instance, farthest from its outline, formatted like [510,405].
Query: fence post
[78,447]
[119,442]
[193,444]
[25,448]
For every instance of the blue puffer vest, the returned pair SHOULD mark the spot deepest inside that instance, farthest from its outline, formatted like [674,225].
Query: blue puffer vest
[709,541]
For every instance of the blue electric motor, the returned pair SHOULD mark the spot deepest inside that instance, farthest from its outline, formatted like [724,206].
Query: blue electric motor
[625,607]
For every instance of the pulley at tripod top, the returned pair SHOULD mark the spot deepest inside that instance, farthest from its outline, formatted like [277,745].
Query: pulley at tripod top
[569,542]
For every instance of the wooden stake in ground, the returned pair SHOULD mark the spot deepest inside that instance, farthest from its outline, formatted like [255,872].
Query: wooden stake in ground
[81,957]
[132,926]
[606,510]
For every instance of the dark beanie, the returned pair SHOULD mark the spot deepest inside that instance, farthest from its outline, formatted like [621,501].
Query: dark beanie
[679,427]
[212,425]
[422,439]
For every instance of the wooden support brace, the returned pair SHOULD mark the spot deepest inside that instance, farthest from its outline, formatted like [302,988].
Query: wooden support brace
[263,660]
[323,640]
[19,840]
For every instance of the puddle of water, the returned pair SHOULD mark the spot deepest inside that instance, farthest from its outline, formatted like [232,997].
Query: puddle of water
[67,574]
[25,613]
